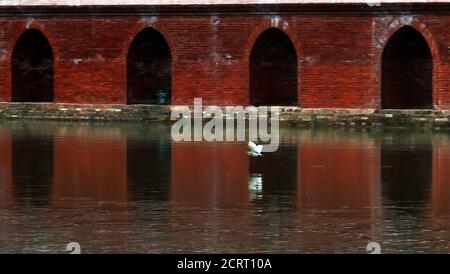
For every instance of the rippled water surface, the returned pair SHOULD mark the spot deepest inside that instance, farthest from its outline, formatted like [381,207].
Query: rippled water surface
[129,188]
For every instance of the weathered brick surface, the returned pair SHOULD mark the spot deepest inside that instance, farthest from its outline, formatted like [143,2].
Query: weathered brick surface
[339,53]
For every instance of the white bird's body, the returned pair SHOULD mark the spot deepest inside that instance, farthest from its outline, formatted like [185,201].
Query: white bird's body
[254,150]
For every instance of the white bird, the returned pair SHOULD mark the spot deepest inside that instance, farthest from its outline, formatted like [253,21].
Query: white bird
[254,150]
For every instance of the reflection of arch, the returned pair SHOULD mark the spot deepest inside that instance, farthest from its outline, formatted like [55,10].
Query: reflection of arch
[149,164]
[407,71]
[406,173]
[149,68]
[32,68]
[406,180]
[273,70]
[32,167]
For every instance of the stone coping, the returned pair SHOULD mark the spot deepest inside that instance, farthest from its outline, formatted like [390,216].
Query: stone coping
[436,119]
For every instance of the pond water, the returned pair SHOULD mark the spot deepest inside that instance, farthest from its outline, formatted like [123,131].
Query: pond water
[126,188]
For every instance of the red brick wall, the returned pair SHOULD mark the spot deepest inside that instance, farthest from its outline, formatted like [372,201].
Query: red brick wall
[339,54]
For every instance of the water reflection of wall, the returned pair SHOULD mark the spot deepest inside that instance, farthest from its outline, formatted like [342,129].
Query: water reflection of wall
[338,189]
[209,194]
[90,162]
[6,197]
[32,167]
[210,174]
[105,180]
[149,167]
[406,169]
[337,170]
[406,180]
[440,195]
[277,171]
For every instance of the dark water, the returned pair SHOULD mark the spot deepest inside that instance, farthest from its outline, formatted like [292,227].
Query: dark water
[128,188]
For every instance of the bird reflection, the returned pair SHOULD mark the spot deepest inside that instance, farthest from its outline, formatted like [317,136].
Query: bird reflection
[255,186]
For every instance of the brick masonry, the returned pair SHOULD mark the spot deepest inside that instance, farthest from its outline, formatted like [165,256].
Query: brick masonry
[339,50]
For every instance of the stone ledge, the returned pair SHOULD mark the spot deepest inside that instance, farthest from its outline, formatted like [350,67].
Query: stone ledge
[288,115]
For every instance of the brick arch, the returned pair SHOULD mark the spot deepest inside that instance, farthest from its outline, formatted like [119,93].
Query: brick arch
[39,27]
[393,27]
[138,28]
[416,24]
[283,27]
[37,84]
[268,24]
[51,41]
[137,93]
[286,84]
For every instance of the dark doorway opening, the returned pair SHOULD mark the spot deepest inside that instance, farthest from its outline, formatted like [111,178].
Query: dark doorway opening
[149,69]
[32,68]
[407,73]
[273,70]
